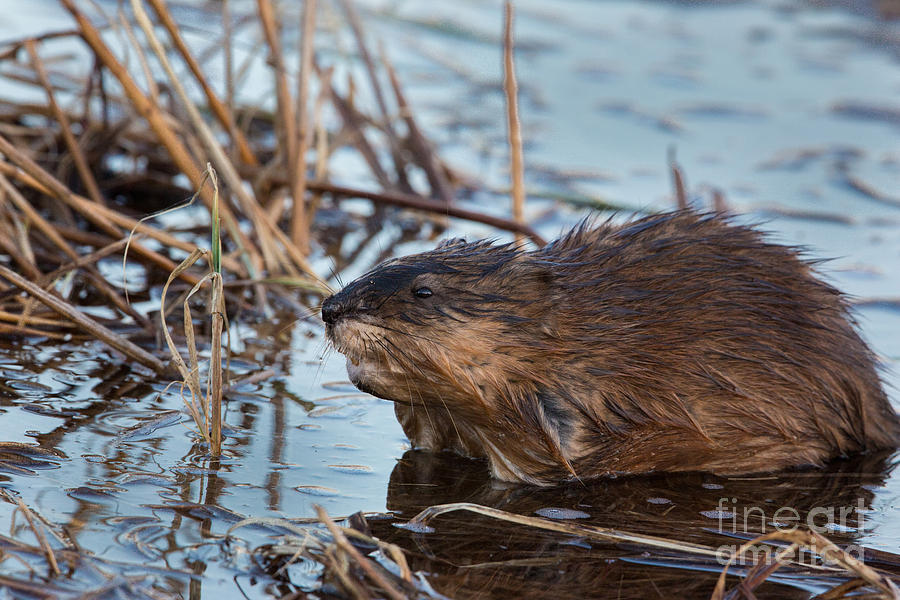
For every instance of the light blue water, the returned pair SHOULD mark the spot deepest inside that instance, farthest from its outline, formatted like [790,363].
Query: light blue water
[748,94]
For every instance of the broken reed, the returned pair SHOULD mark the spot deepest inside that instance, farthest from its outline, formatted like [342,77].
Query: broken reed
[798,553]
[849,576]
[514,126]
[205,409]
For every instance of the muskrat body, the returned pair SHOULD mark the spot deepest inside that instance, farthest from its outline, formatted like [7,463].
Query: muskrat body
[677,342]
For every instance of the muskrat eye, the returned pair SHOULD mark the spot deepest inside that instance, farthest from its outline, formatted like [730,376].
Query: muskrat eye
[423,292]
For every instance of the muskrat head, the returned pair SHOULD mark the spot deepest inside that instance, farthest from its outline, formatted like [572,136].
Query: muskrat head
[441,326]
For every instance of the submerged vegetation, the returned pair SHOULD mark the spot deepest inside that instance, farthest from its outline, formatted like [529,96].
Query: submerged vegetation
[133,124]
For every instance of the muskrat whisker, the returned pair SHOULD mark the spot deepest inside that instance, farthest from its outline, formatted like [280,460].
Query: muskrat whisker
[374,340]
[383,343]
[370,339]
[312,311]
[324,353]
[424,405]
[321,344]
[335,274]
[318,375]
[408,360]
[406,333]
[386,298]
[322,349]
[288,325]
[368,344]
[462,444]
[389,352]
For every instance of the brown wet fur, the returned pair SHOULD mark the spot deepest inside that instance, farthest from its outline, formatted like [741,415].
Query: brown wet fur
[677,342]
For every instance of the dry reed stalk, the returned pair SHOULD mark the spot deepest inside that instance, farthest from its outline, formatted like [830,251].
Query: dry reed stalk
[106,219]
[27,265]
[323,152]
[718,200]
[190,370]
[110,292]
[216,372]
[34,217]
[395,552]
[45,281]
[207,138]
[84,171]
[158,122]
[514,128]
[588,531]
[81,261]
[364,563]
[288,133]
[227,49]
[428,160]
[386,118]
[21,234]
[356,27]
[300,219]
[275,208]
[681,200]
[166,143]
[206,411]
[818,544]
[217,310]
[265,228]
[354,123]
[48,230]
[97,330]
[885,588]
[152,88]
[85,238]
[41,538]
[220,110]
[13,47]
[31,320]
[433,206]
[42,591]
[22,330]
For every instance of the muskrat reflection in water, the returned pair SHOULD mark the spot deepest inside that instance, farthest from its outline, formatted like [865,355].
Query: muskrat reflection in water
[474,557]
[676,342]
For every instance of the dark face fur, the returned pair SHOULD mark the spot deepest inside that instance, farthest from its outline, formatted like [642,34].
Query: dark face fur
[428,327]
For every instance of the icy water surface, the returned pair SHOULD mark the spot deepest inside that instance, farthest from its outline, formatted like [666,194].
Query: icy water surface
[789,109]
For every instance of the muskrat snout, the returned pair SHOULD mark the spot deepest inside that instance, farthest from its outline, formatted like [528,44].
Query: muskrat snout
[332,309]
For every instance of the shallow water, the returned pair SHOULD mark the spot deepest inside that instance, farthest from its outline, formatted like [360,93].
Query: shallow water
[775,103]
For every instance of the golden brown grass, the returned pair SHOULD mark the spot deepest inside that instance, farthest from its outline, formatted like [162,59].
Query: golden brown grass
[64,209]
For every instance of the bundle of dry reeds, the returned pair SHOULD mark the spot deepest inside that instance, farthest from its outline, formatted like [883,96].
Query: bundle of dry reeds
[128,128]
[132,124]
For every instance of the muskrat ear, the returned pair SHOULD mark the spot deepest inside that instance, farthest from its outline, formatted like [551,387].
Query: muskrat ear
[536,282]
[448,243]
[532,272]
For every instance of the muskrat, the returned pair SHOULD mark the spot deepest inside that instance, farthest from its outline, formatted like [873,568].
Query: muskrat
[676,342]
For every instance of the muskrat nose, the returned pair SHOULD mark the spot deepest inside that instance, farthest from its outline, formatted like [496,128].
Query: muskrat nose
[331,310]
